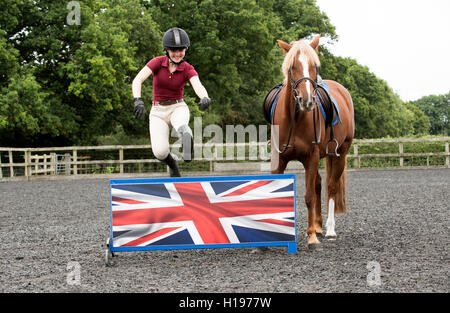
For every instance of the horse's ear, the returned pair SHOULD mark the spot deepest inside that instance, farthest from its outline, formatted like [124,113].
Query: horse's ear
[284,45]
[315,44]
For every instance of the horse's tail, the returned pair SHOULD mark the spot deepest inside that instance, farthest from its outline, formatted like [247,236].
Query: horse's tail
[340,205]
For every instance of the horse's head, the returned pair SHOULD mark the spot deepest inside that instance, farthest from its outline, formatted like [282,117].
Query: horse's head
[300,70]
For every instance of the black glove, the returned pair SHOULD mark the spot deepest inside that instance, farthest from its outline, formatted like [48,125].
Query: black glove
[139,108]
[204,103]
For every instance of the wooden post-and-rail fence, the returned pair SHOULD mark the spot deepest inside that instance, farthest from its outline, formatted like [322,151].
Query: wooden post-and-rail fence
[26,163]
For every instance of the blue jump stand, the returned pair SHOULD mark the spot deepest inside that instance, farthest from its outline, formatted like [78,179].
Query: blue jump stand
[252,210]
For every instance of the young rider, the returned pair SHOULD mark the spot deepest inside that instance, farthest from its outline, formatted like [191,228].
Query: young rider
[170,74]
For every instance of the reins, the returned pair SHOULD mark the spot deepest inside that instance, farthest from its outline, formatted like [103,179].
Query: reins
[294,85]
[297,98]
[286,145]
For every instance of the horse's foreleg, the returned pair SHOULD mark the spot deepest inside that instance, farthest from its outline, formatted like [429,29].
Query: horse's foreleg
[336,192]
[311,170]
[318,205]
[277,164]
[331,223]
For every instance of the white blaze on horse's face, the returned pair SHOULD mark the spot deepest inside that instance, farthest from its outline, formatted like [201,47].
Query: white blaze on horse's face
[303,59]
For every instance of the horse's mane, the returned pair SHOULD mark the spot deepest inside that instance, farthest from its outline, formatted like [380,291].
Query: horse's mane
[302,47]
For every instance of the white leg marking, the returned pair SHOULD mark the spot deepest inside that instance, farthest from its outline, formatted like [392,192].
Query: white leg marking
[330,221]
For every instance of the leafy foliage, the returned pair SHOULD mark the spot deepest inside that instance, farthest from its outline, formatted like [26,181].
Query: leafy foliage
[74,79]
[437,109]
[71,84]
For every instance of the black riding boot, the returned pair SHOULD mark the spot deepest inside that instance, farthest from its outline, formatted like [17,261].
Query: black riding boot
[173,166]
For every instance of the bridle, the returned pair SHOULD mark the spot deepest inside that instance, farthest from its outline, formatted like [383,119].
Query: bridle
[294,85]
[297,99]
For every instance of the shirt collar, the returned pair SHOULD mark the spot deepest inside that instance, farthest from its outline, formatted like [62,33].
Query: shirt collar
[180,67]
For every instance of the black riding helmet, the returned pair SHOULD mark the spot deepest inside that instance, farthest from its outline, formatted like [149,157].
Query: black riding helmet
[176,38]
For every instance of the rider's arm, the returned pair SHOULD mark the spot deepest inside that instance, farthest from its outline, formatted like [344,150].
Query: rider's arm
[139,79]
[199,89]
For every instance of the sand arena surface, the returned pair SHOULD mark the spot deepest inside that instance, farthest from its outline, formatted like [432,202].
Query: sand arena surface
[398,219]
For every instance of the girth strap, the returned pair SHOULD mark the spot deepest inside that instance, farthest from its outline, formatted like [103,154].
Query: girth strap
[330,122]
[317,142]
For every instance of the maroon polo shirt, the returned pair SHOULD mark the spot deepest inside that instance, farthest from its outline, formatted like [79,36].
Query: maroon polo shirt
[166,85]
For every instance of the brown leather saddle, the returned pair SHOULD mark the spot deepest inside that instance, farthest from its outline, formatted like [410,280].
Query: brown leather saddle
[270,102]
[328,105]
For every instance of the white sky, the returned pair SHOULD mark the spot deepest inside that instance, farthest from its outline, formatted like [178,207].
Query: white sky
[404,42]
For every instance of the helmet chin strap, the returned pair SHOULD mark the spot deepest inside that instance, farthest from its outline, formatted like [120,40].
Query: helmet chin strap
[176,63]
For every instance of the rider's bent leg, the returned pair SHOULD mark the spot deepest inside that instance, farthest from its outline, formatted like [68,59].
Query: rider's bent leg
[180,121]
[187,142]
[173,166]
[159,137]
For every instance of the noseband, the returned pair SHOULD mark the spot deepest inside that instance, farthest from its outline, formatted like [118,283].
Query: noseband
[294,85]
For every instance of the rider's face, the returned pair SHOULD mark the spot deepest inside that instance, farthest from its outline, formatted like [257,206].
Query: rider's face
[177,55]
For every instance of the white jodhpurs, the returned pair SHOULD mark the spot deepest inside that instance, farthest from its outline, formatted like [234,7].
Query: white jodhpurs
[162,117]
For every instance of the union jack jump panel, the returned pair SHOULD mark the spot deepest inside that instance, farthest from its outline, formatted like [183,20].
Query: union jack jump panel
[203,212]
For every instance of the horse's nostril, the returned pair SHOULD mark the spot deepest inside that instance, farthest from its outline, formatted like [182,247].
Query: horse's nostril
[307,106]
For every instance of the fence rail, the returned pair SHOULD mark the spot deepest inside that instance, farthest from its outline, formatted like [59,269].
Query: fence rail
[28,163]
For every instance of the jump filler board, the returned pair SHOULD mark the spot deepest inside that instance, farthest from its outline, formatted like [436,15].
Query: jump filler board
[203,212]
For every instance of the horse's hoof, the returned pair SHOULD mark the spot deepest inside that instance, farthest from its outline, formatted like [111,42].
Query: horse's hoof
[259,250]
[313,246]
[331,237]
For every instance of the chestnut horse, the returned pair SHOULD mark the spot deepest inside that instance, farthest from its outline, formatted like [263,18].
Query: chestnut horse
[299,134]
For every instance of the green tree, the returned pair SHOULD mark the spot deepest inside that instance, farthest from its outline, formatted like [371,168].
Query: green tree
[9,63]
[300,19]
[81,74]
[420,122]
[102,69]
[23,111]
[24,114]
[437,108]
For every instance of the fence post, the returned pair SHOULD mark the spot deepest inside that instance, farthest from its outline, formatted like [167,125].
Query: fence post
[34,159]
[121,160]
[54,164]
[1,168]
[74,161]
[67,162]
[447,157]
[45,164]
[27,157]
[400,151]
[11,167]
[25,161]
[355,152]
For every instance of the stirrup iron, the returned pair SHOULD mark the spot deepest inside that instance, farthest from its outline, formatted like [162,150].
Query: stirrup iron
[336,154]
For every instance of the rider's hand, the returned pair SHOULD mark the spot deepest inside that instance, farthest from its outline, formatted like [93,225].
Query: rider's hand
[204,103]
[139,108]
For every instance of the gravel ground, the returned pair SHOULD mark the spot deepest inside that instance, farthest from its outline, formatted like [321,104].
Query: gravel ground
[397,222]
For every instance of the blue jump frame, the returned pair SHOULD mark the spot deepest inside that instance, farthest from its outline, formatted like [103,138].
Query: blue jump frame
[291,245]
